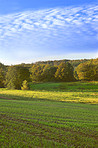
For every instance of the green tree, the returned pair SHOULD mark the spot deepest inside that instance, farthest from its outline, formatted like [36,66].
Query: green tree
[64,72]
[49,73]
[2,78]
[88,70]
[37,72]
[15,77]
[2,74]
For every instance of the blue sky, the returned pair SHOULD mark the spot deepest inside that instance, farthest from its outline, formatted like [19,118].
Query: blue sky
[33,30]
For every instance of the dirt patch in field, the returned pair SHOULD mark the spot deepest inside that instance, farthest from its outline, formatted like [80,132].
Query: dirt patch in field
[6,98]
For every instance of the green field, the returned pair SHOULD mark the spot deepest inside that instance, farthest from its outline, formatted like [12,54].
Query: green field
[50,115]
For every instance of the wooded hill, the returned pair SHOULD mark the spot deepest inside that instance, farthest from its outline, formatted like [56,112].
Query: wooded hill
[74,63]
[48,71]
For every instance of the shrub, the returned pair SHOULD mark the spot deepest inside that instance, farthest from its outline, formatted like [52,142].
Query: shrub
[25,85]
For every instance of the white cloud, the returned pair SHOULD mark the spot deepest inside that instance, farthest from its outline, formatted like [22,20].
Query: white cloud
[49,29]
[49,18]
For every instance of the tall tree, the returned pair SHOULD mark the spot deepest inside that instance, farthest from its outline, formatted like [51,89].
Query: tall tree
[49,73]
[64,72]
[88,70]
[2,74]
[15,77]
[2,78]
[37,72]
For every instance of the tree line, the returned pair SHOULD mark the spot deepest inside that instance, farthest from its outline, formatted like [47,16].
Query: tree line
[74,63]
[18,76]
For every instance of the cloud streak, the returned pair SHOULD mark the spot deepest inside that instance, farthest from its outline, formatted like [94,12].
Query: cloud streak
[49,19]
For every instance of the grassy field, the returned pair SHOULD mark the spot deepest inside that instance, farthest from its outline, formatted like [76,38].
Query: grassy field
[50,115]
[67,87]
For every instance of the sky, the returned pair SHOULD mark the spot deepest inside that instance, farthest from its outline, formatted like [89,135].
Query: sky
[40,30]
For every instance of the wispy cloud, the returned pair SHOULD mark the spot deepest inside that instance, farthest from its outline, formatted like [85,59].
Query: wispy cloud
[49,19]
[59,28]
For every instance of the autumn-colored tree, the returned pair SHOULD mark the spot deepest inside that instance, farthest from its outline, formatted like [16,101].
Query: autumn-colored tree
[15,77]
[37,72]
[64,72]
[88,70]
[49,73]
[25,85]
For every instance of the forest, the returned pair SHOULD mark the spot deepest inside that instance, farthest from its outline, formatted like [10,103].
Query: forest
[17,76]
